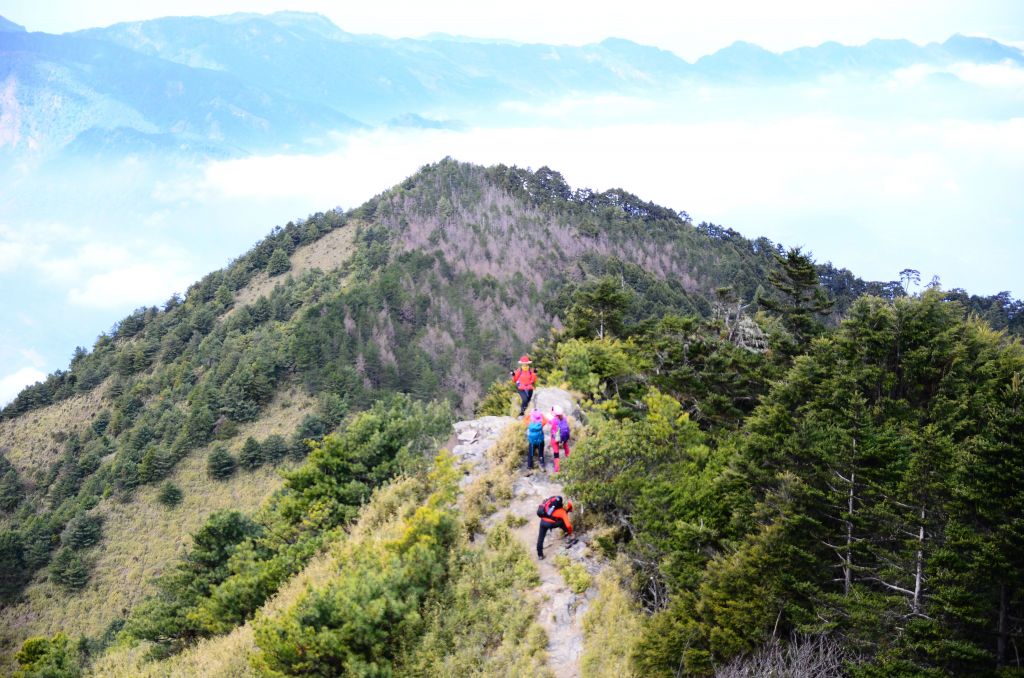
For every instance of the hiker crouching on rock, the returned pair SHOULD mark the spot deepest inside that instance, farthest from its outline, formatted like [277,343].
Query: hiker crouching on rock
[535,423]
[524,379]
[552,515]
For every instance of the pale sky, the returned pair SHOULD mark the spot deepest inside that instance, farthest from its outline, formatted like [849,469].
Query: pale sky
[691,29]
[934,192]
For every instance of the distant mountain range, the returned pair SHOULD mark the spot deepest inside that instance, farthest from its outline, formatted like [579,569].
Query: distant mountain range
[242,83]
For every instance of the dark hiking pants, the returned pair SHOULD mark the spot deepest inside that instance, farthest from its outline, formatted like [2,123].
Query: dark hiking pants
[544,527]
[525,395]
[539,449]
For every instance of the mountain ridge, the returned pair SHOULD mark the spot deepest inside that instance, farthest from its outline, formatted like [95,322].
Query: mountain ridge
[354,319]
[247,82]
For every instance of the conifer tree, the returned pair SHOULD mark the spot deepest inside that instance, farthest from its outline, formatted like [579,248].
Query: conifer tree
[47,658]
[156,463]
[13,570]
[251,455]
[224,297]
[278,263]
[68,570]
[83,531]
[220,465]
[800,299]
[11,490]
[599,308]
[169,495]
[275,448]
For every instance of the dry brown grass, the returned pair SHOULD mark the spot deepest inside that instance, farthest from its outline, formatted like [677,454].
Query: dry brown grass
[229,655]
[327,254]
[142,538]
[480,498]
[32,442]
[611,628]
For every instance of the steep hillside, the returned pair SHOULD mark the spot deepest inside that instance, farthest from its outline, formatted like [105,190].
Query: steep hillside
[51,450]
[432,289]
[337,350]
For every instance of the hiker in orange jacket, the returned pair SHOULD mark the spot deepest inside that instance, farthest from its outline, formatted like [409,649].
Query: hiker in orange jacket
[556,516]
[524,378]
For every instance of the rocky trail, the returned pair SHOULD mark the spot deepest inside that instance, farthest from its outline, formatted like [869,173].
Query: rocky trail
[560,610]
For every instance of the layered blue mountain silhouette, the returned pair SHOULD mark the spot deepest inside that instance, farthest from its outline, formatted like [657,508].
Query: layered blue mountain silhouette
[245,83]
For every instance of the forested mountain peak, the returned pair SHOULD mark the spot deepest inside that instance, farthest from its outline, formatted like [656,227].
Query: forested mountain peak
[724,381]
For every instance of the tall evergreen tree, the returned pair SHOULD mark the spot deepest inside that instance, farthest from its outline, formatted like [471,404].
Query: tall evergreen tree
[251,455]
[799,297]
[599,308]
[220,465]
[278,263]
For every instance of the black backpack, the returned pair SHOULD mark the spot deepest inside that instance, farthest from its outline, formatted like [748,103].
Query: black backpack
[548,506]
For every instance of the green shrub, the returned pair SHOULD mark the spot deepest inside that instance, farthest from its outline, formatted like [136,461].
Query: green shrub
[251,456]
[575,574]
[611,628]
[83,531]
[169,494]
[356,624]
[500,400]
[47,658]
[68,570]
[483,623]
[220,465]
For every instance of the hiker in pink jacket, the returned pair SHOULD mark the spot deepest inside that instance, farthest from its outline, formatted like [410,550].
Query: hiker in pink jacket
[559,433]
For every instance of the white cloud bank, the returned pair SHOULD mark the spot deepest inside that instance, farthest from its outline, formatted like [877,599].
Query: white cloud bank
[1006,75]
[11,384]
[874,196]
[96,271]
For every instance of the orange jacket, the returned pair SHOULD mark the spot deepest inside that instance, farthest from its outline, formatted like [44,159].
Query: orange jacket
[524,379]
[555,515]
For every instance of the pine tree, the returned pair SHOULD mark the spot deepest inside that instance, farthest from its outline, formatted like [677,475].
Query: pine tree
[278,263]
[14,572]
[83,531]
[251,456]
[47,658]
[275,448]
[169,494]
[599,308]
[156,463]
[11,491]
[100,422]
[800,299]
[220,465]
[68,570]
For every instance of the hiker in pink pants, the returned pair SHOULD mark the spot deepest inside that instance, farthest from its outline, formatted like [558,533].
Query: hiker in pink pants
[559,433]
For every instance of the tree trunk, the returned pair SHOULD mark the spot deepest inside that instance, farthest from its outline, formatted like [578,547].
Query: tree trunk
[848,566]
[919,569]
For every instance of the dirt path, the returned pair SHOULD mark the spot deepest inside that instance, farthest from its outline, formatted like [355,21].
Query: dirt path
[560,611]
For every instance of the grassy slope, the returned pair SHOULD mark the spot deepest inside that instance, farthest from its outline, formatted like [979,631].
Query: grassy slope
[520,645]
[229,655]
[327,253]
[488,224]
[141,537]
[34,441]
